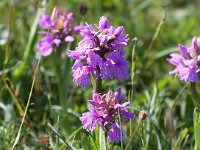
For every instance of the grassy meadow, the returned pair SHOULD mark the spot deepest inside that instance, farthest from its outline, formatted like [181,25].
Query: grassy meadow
[55,102]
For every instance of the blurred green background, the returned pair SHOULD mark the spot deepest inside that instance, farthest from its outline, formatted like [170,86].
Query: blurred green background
[167,100]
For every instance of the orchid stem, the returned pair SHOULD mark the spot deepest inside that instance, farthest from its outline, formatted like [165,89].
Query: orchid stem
[98,88]
[62,68]
[99,85]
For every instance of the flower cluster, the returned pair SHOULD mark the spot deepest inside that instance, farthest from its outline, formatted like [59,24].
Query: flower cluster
[100,53]
[104,111]
[187,62]
[59,28]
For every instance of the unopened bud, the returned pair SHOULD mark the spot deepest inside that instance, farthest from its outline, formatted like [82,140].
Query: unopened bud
[142,115]
[83,9]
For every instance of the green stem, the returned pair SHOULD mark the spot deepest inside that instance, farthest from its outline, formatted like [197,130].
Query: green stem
[133,70]
[62,68]
[121,138]
[101,133]
[98,85]
[62,89]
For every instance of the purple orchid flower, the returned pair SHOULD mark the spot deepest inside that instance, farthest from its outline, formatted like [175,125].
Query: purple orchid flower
[102,52]
[104,111]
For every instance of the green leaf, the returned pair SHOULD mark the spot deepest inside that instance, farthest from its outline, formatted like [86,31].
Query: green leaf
[102,140]
[197,135]
[93,144]
[180,138]
[116,147]
[183,134]
[196,121]
[22,69]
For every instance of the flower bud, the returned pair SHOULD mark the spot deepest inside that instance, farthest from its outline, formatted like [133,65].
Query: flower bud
[142,115]
[83,9]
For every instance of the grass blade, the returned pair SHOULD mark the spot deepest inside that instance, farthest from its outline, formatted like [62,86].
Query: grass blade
[27,105]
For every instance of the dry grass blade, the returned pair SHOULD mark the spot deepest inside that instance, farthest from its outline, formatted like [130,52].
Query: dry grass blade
[27,105]
[15,97]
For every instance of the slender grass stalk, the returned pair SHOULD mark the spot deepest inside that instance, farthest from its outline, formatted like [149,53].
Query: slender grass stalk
[133,135]
[142,135]
[130,122]
[27,105]
[133,66]
[133,69]
[162,21]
